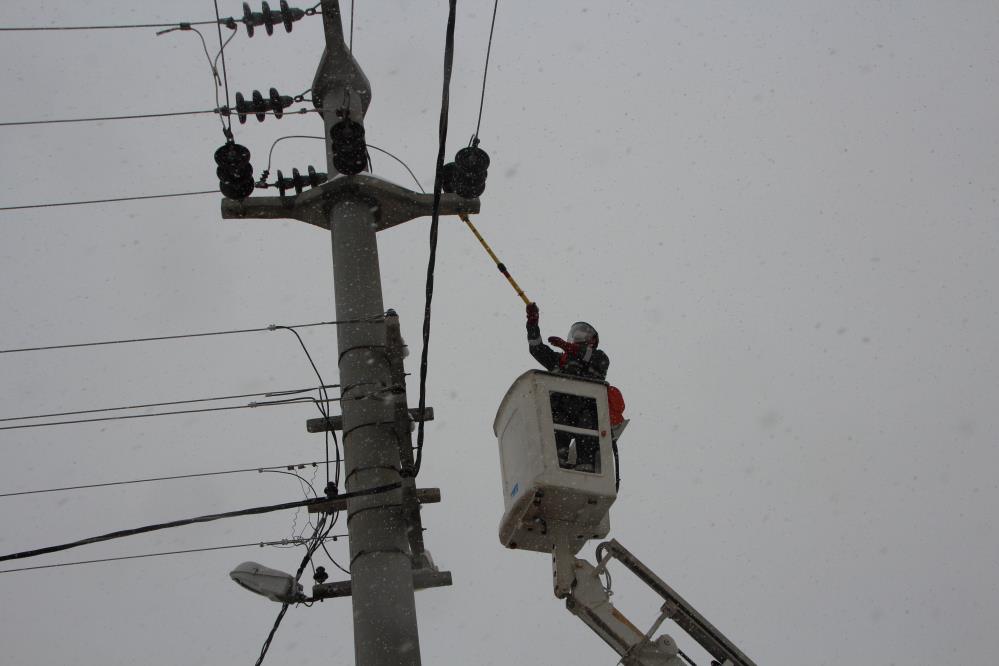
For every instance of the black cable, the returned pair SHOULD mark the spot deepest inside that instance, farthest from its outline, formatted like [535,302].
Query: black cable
[89,120]
[271,327]
[269,394]
[190,521]
[485,70]
[261,544]
[442,141]
[163,478]
[177,25]
[225,76]
[405,166]
[250,405]
[323,405]
[310,551]
[685,657]
[116,199]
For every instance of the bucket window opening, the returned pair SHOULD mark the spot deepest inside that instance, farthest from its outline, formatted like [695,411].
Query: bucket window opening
[577,435]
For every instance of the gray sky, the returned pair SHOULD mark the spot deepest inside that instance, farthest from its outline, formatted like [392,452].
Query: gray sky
[781,217]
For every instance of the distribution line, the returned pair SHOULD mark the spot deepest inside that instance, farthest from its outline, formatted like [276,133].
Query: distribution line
[261,544]
[271,327]
[250,405]
[99,119]
[271,468]
[113,200]
[190,521]
[269,394]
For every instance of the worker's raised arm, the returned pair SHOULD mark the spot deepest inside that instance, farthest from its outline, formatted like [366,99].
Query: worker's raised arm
[542,353]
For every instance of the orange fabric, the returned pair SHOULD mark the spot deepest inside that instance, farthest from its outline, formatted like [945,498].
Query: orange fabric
[615,401]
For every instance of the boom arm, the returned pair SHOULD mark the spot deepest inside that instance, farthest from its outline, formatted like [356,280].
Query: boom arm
[578,582]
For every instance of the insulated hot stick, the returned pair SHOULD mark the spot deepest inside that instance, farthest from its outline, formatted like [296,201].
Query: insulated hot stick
[499,264]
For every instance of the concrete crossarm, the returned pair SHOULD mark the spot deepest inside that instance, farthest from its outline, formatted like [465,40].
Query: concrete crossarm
[338,71]
[391,203]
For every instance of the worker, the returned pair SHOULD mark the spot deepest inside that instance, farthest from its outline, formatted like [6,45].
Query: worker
[579,358]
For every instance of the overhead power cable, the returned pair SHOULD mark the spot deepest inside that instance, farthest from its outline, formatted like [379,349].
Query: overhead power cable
[190,521]
[103,118]
[114,200]
[151,479]
[485,70]
[271,327]
[204,410]
[176,24]
[261,544]
[435,219]
[269,394]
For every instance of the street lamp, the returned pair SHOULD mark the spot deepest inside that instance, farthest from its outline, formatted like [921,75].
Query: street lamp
[271,583]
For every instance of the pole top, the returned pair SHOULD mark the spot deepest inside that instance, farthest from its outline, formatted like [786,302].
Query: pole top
[338,72]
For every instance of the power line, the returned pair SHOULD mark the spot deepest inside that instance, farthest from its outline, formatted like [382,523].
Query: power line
[261,544]
[405,166]
[190,521]
[103,118]
[167,478]
[116,199]
[269,394]
[177,24]
[485,70]
[271,327]
[251,405]
[435,219]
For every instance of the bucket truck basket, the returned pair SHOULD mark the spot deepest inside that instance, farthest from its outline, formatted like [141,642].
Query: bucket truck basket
[556,461]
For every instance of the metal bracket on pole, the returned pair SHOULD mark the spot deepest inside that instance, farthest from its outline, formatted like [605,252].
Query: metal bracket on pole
[423,496]
[338,70]
[391,203]
[422,579]
[323,424]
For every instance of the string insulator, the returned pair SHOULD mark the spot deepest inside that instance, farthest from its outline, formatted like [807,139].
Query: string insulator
[471,168]
[350,152]
[268,18]
[298,181]
[259,105]
[234,171]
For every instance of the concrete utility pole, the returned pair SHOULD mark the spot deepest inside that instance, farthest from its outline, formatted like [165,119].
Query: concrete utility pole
[354,208]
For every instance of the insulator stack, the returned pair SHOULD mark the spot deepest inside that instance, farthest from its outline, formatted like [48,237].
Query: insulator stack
[350,152]
[466,176]
[268,18]
[234,171]
[260,106]
[298,181]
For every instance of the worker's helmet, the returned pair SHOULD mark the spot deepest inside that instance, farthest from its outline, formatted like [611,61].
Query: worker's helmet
[583,334]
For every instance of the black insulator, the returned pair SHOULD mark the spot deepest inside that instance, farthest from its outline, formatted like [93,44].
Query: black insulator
[320,576]
[298,181]
[241,108]
[471,168]
[235,173]
[259,106]
[277,105]
[286,16]
[447,177]
[350,152]
[268,17]
[232,154]
[315,179]
[248,19]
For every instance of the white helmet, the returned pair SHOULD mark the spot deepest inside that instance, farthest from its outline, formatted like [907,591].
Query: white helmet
[583,334]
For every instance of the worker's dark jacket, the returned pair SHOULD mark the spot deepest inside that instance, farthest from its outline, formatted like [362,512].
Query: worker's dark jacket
[553,361]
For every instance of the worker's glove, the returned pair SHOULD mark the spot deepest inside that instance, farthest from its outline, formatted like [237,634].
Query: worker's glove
[571,348]
[533,314]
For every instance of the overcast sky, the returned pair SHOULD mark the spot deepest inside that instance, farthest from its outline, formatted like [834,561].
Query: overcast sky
[781,217]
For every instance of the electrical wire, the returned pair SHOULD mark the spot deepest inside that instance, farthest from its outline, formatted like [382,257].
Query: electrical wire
[176,25]
[103,118]
[190,521]
[405,166]
[250,405]
[269,394]
[165,478]
[261,544]
[435,219]
[225,76]
[271,327]
[318,539]
[485,69]
[113,200]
